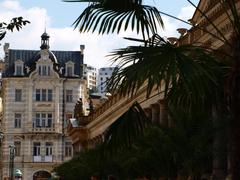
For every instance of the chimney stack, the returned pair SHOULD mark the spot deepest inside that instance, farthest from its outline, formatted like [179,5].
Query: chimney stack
[82,47]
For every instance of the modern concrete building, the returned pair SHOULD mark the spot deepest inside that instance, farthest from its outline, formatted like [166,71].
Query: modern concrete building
[103,75]
[40,89]
[90,74]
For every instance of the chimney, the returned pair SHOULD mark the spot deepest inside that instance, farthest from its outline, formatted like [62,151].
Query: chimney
[82,47]
[6,47]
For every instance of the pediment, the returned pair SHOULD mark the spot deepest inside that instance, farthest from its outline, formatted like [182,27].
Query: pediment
[70,63]
[19,61]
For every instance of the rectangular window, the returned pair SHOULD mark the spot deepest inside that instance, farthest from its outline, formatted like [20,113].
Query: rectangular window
[48,149]
[19,70]
[68,117]
[49,120]
[17,145]
[44,94]
[68,149]
[44,120]
[69,95]
[44,70]
[49,95]
[18,95]
[38,95]
[38,120]
[36,149]
[69,71]
[40,70]
[48,70]
[17,120]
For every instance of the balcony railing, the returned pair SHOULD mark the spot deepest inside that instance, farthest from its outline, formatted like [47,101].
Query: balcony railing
[43,128]
[43,158]
[37,158]
[48,159]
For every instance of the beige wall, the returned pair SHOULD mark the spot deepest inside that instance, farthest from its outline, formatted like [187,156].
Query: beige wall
[28,107]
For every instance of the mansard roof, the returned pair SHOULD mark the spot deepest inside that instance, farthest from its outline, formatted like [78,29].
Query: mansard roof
[29,57]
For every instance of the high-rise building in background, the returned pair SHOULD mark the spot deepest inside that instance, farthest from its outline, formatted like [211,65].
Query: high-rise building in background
[103,75]
[40,90]
[90,74]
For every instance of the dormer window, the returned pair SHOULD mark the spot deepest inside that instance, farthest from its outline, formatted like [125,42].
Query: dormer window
[18,68]
[44,70]
[69,68]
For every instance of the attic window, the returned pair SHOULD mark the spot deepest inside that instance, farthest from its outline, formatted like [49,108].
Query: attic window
[18,68]
[44,70]
[69,69]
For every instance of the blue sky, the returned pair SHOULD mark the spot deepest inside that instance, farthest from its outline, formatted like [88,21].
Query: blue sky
[59,17]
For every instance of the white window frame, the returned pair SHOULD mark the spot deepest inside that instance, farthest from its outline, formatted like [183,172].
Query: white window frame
[37,145]
[18,69]
[17,120]
[43,120]
[17,149]
[69,95]
[68,149]
[43,95]
[69,68]
[18,95]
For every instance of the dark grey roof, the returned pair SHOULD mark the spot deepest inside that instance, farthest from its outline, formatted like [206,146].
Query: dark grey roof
[29,57]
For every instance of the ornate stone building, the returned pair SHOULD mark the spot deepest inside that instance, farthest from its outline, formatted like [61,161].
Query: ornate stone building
[40,89]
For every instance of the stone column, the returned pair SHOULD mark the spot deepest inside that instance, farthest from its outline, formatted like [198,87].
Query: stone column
[148,112]
[155,113]
[29,99]
[163,113]
[56,107]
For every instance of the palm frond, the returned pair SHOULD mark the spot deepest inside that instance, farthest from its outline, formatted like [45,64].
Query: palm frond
[161,65]
[112,16]
[126,129]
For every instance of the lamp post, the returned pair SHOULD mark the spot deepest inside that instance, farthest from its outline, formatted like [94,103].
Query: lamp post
[11,161]
[1,139]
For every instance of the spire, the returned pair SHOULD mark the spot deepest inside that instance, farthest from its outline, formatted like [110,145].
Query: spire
[45,40]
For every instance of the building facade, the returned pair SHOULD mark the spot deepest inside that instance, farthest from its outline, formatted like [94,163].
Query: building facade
[90,74]
[103,75]
[40,90]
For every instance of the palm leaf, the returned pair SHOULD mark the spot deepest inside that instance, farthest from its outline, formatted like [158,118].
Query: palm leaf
[160,64]
[126,129]
[111,16]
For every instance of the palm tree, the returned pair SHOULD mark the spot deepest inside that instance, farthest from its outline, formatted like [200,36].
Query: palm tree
[189,76]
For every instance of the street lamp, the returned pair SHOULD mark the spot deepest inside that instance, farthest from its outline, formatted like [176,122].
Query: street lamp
[1,139]
[11,162]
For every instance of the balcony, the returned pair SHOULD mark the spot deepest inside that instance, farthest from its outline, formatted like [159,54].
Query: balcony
[43,129]
[43,158]
[37,158]
[48,159]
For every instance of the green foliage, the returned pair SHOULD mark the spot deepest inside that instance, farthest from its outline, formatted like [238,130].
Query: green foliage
[78,109]
[157,151]
[16,23]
